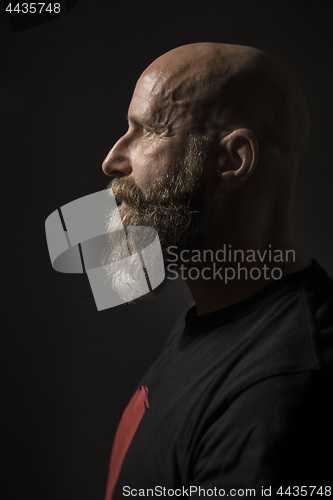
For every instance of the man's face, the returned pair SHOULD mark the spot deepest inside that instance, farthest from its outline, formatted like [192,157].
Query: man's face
[157,136]
[159,167]
[174,204]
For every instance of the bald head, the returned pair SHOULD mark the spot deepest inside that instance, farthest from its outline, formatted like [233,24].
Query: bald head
[220,87]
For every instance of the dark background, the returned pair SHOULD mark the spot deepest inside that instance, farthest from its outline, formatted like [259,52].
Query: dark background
[65,88]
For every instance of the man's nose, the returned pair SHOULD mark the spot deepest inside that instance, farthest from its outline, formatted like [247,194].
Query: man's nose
[117,162]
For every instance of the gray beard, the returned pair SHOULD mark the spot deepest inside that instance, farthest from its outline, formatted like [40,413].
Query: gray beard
[174,206]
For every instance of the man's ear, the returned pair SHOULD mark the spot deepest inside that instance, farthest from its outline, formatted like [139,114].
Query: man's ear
[237,158]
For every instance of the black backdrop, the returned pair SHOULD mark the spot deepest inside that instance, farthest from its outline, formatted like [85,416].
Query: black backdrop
[65,87]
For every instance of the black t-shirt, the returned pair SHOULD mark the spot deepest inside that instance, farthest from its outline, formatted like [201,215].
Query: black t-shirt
[239,398]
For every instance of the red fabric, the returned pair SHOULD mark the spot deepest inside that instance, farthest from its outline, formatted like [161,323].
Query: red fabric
[127,428]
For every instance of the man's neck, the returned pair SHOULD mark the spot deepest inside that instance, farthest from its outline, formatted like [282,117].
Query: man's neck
[225,276]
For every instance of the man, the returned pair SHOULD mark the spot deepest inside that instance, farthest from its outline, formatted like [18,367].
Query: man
[240,395]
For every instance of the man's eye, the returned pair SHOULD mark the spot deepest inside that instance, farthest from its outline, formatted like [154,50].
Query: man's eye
[145,130]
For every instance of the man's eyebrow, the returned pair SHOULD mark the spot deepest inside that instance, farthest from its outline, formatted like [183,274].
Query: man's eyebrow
[144,123]
[136,120]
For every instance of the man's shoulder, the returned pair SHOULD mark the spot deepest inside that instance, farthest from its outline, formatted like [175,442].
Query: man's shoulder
[292,330]
[284,331]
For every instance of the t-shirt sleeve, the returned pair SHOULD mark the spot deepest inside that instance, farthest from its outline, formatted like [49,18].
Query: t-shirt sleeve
[277,432]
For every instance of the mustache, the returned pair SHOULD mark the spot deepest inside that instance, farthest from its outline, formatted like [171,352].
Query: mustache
[180,187]
[125,189]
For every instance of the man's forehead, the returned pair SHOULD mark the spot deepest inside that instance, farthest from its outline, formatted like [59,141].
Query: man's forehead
[154,98]
[183,85]
[176,86]
[150,86]
[153,82]
[191,70]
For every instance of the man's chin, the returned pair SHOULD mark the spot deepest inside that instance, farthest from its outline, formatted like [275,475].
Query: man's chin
[130,216]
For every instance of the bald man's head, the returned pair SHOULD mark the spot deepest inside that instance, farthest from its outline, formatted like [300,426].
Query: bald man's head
[244,109]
